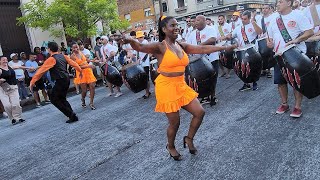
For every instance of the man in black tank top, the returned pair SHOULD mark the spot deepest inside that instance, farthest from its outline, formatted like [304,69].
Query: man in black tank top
[56,64]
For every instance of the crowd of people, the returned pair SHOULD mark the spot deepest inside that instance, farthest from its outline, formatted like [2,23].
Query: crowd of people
[171,46]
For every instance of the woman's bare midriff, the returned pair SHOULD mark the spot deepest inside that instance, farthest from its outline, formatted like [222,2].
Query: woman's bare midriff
[172,74]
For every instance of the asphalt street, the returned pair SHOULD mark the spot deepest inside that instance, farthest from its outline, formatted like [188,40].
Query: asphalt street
[240,138]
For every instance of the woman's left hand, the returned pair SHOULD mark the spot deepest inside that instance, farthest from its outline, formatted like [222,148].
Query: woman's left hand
[2,80]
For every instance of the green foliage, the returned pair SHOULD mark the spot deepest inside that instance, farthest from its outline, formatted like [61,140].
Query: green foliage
[78,17]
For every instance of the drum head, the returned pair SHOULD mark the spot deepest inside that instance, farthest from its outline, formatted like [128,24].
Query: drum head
[282,50]
[154,61]
[246,47]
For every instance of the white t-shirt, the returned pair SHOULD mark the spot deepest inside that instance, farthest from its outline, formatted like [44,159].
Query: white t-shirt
[86,52]
[107,49]
[205,34]
[19,72]
[250,32]
[141,56]
[226,29]
[307,13]
[186,33]
[236,24]
[267,22]
[295,24]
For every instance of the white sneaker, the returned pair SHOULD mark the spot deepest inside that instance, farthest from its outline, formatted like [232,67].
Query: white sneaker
[38,105]
[4,114]
[110,94]
[118,94]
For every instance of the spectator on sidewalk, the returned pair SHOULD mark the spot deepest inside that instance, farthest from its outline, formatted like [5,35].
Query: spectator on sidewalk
[27,79]
[39,85]
[9,95]
[18,67]
[40,56]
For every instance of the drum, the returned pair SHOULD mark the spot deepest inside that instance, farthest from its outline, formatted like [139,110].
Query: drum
[117,64]
[134,77]
[113,76]
[248,64]
[199,75]
[154,70]
[268,61]
[226,59]
[299,71]
[313,49]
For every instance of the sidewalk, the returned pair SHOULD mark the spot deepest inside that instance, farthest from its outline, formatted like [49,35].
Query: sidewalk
[30,101]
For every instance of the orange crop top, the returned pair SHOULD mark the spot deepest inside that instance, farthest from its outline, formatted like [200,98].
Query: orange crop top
[172,63]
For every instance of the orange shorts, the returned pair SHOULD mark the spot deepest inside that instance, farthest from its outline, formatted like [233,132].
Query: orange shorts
[172,93]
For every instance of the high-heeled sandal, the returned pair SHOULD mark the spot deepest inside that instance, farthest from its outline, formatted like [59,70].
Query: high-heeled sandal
[92,106]
[176,158]
[192,151]
[83,103]
[146,96]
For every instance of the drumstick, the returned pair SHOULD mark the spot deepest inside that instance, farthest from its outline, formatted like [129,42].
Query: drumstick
[277,48]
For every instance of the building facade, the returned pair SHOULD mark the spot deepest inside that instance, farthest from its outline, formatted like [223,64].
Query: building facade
[209,8]
[16,38]
[140,14]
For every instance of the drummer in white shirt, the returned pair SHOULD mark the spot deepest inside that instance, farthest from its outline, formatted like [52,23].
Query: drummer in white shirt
[252,30]
[307,13]
[264,23]
[236,20]
[223,29]
[299,29]
[144,60]
[208,36]
[108,52]
[187,30]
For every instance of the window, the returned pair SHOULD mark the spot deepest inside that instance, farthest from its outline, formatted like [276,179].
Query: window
[164,7]
[180,3]
[147,12]
[220,2]
[127,17]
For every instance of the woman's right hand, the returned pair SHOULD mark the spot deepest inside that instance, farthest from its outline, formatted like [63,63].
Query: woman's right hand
[126,39]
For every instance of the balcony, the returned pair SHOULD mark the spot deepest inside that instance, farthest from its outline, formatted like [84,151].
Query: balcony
[183,8]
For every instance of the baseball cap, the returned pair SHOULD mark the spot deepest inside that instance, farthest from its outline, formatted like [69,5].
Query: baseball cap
[105,37]
[13,54]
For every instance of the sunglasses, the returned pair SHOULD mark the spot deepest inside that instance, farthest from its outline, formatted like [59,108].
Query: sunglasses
[187,21]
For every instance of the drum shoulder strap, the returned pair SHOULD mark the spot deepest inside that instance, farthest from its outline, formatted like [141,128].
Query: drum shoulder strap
[283,30]
[315,15]
[244,35]
[220,30]
[264,29]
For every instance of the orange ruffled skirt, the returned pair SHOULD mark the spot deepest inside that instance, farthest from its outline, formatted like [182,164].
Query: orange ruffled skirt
[172,93]
[87,77]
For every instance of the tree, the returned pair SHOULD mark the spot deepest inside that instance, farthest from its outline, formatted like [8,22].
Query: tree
[77,17]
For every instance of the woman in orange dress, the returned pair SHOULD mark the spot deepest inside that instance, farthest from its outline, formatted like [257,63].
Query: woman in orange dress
[87,79]
[172,92]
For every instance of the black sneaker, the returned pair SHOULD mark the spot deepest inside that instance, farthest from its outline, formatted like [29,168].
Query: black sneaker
[14,122]
[72,119]
[205,100]
[255,87]
[269,75]
[21,120]
[213,101]
[245,87]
